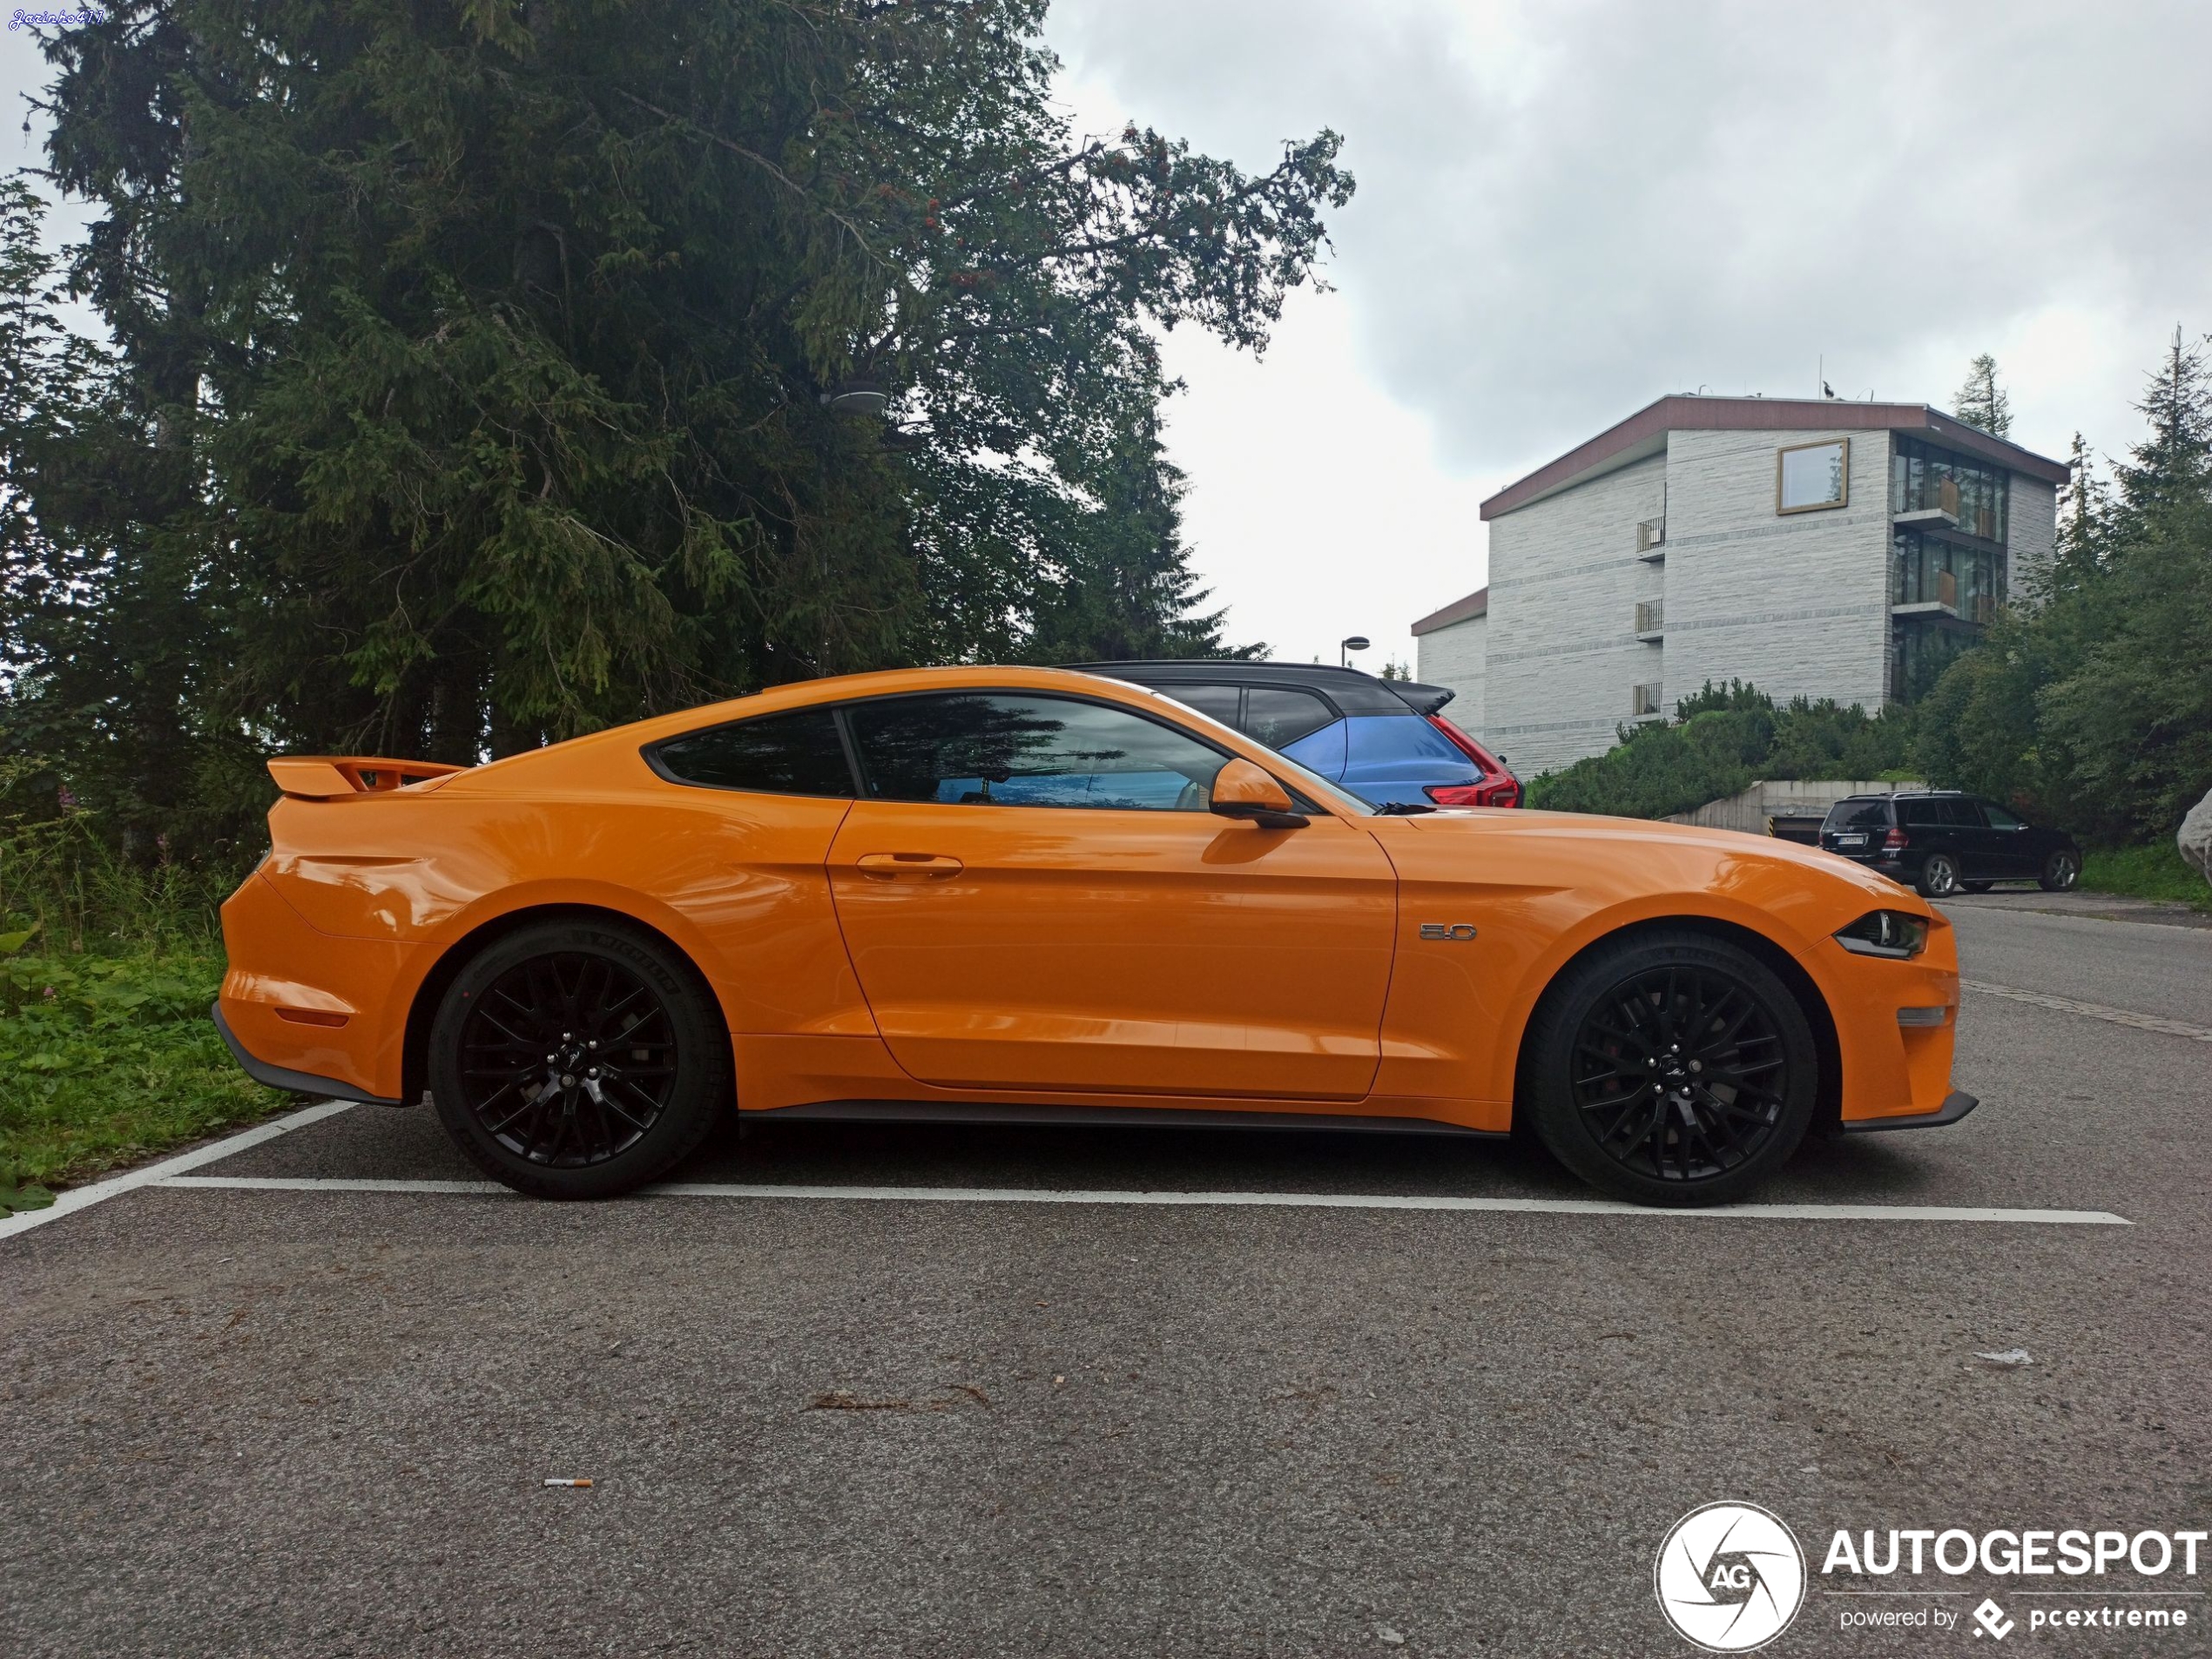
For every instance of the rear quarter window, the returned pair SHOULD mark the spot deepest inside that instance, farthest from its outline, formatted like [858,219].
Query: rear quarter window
[778,754]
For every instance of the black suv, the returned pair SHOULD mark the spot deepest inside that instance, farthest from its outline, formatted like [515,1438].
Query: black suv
[1943,842]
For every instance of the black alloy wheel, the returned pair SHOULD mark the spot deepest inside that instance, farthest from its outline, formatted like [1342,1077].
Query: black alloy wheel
[2060,871]
[566,1059]
[576,1060]
[1939,876]
[1671,1068]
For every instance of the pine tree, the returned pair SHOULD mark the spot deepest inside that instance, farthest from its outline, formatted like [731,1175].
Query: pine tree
[485,356]
[1981,402]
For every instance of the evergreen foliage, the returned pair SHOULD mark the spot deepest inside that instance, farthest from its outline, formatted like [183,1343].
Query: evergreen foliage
[1981,402]
[472,368]
[2091,704]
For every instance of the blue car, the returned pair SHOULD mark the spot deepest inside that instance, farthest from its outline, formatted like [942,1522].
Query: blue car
[1383,740]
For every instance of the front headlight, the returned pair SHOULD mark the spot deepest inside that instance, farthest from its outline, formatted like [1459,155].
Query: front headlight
[1887,933]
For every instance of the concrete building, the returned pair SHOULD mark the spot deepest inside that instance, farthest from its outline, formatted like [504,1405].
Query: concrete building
[1810,548]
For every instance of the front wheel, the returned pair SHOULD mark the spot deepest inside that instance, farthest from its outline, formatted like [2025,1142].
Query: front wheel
[2060,871]
[1939,876]
[1670,1069]
[578,1060]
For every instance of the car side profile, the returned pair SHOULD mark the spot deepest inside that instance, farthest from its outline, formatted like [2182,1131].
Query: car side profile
[1038,896]
[1386,741]
[1941,842]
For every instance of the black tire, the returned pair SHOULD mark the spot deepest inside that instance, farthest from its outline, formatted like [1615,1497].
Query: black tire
[1977,887]
[1627,1011]
[1938,877]
[2060,871]
[577,1059]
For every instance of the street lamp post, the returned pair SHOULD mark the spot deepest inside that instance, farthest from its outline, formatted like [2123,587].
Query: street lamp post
[1344,648]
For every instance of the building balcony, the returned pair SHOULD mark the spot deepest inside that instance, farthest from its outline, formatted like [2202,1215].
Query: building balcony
[1651,620]
[1651,540]
[1643,702]
[1945,608]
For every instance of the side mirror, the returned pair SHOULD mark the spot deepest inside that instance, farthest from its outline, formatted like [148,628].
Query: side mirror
[1242,790]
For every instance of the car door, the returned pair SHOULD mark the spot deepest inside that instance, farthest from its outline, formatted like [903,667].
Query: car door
[2010,843]
[1036,897]
[1970,838]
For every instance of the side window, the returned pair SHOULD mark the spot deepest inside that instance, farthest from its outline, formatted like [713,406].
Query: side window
[1215,702]
[1015,749]
[1921,813]
[1999,818]
[1961,814]
[778,754]
[1277,715]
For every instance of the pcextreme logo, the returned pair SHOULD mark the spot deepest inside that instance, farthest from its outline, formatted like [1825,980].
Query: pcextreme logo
[1730,1577]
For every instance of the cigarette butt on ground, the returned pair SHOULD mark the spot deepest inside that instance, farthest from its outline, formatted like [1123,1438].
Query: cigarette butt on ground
[586,1482]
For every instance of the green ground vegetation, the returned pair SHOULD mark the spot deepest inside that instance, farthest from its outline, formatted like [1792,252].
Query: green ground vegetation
[107,968]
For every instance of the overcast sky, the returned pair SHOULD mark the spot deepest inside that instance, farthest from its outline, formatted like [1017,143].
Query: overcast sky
[1566,210]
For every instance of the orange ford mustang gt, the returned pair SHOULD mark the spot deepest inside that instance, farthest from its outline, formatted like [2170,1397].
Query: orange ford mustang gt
[1036,896]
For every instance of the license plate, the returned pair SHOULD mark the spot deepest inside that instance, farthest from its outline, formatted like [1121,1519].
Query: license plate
[1850,840]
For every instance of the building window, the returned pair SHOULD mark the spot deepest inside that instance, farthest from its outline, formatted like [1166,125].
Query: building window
[1972,495]
[1811,477]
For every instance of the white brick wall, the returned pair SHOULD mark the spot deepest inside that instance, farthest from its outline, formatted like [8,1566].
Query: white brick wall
[1454,656]
[1562,650]
[2031,533]
[1797,604]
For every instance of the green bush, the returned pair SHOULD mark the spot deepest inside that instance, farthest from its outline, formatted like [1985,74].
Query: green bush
[1722,740]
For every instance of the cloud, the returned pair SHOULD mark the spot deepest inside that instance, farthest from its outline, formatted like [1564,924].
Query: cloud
[1567,210]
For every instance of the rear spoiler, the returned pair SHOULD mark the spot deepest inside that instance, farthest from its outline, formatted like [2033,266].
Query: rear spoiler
[335,777]
[1422,699]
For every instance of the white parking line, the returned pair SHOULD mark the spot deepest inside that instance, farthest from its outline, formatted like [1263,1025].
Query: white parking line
[83,1197]
[2094,1010]
[1259,1200]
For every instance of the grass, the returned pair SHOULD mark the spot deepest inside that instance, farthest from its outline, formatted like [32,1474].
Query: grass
[108,1058]
[107,967]
[2153,872]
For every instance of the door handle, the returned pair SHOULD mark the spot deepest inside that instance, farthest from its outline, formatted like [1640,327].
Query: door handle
[908,866]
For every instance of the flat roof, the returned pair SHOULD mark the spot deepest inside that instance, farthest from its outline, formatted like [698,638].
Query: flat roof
[1645,432]
[1475,604]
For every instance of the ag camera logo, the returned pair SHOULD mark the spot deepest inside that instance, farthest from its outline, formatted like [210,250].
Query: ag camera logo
[1730,1577]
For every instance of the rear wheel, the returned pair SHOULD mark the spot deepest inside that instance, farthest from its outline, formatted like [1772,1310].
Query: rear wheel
[578,1060]
[1939,876]
[1670,1069]
[2060,871]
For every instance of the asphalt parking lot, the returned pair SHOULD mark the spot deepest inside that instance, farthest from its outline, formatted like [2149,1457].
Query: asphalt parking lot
[303,1418]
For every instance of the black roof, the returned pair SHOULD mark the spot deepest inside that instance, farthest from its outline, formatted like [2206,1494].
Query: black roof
[1351,689]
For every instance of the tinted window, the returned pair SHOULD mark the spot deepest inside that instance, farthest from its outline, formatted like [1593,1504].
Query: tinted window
[1959,814]
[1275,715]
[1858,814]
[1216,701]
[1006,749]
[1923,812]
[780,755]
[1999,818]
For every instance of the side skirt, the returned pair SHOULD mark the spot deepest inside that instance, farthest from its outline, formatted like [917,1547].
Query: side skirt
[916,1111]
